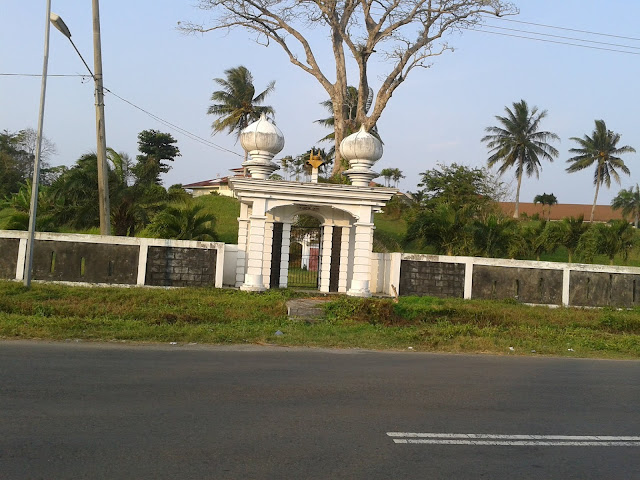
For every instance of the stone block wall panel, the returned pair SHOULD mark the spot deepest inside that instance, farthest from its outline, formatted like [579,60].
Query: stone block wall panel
[596,289]
[85,262]
[181,267]
[434,279]
[9,257]
[527,285]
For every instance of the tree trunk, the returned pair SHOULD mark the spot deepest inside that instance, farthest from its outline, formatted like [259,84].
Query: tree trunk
[516,212]
[595,199]
[339,95]
[338,100]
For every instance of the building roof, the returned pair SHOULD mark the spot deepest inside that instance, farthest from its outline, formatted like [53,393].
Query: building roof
[208,183]
[216,182]
[603,213]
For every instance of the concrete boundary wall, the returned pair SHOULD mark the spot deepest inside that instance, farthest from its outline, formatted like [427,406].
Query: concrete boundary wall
[543,283]
[111,260]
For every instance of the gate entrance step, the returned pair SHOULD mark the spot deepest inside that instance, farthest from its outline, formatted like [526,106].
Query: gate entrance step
[308,309]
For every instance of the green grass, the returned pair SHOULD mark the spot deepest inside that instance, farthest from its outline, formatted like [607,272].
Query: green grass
[226,210]
[215,316]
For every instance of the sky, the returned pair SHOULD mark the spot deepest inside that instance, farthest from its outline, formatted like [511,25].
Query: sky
[438,115]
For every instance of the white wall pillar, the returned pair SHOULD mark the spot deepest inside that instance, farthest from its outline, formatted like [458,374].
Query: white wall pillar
[266,254]
[325,260]
[363,246]
[394,274]
[142,261]
[241,259]
[22,257]
[253,279]
[219,280]
[284,254]
[344,260]
[468,278]
[566,282]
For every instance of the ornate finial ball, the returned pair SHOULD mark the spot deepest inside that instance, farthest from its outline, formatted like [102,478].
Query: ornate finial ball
[361,146]
[263,136]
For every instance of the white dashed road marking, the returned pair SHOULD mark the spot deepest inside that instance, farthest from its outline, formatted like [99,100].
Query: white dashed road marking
[513,440]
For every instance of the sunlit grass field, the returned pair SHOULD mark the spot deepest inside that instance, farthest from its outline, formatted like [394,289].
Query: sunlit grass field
[222,316]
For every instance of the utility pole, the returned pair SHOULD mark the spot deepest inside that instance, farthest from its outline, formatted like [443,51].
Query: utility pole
[103,172]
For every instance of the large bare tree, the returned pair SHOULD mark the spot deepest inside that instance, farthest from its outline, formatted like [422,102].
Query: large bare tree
[404,33]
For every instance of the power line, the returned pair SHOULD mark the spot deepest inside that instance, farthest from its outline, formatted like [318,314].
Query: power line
[40,75]
[552,41]
[181,130]
[530,32]
[481,28]
[636,39]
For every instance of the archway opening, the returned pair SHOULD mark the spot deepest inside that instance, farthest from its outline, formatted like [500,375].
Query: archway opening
[304,252]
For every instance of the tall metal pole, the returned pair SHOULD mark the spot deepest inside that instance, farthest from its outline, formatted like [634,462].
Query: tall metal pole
[33,209]
[103,178]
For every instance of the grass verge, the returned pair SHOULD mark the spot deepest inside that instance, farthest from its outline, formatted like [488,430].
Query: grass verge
[217,316]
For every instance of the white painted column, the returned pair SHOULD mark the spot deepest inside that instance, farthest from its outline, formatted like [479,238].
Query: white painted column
[22,257]
[362,260]
[253,279]
[468,278]
[219,266]
[566,282]
[243,229]
[284,254]
[142,261]
[394,274]
[344,260]
[325,260]
[266,254]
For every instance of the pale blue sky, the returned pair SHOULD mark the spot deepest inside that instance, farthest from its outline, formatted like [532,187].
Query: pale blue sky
[437,115]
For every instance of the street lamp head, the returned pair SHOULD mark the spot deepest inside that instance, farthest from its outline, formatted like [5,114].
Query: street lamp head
[60,25]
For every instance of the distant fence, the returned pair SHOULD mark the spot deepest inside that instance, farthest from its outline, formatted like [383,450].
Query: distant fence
[95,259]
[545,283]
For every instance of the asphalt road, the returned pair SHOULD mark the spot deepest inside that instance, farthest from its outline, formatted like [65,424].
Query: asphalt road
[72,410]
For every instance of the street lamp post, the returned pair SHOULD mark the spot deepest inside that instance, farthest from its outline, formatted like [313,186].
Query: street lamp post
[101,144]
[33,208]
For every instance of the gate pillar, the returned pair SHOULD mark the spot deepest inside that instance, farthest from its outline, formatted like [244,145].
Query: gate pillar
[325,258]
[344,259]
[284,254]
[253,279]
[363,246]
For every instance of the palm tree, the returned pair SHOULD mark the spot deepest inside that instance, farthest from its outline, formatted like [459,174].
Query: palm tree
[530,240]
[548,199]
[614,238]
[387,174]
[184,221]
[237,105]
[566,233]
[396,174]
[629,202]
[494,236]
[602,149]
[517,142]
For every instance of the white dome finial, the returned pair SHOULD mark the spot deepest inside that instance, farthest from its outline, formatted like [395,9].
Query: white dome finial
[362,150]
[262,140]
